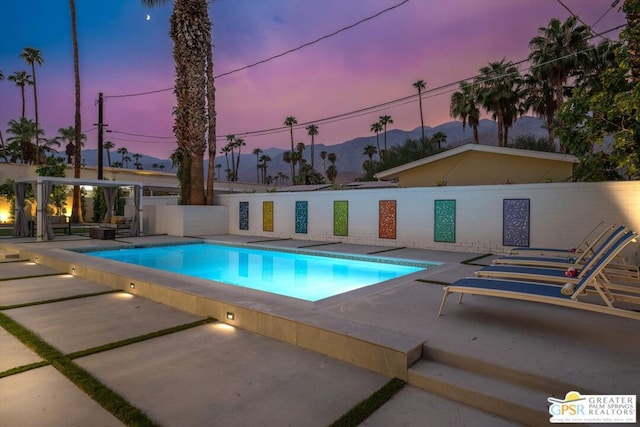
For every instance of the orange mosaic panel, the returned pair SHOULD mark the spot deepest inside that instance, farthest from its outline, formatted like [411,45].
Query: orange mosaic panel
[387,219]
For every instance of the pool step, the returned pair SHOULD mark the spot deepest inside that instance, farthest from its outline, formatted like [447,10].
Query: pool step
[514,395]
[9,254]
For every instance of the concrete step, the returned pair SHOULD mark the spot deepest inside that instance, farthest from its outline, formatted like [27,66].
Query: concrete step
[506,399]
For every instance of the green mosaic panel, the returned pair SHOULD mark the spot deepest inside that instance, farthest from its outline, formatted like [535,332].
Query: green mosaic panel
[341,218]
[445,221]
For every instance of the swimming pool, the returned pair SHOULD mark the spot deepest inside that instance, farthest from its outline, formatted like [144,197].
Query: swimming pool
[297,275]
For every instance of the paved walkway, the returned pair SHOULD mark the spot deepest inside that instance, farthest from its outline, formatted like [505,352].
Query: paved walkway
[216,374]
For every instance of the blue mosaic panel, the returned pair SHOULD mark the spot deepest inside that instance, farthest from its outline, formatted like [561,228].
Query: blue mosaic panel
[302,209]
[444,221]
[244,215]
[515,222]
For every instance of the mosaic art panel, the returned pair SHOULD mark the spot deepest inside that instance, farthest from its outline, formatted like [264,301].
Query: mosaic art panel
[387,219]
[444,221]
[302,209]
[267,215]
[341,218]
[515,222]
[244,215]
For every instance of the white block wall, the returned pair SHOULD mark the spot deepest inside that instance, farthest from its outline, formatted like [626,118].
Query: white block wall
[560,214]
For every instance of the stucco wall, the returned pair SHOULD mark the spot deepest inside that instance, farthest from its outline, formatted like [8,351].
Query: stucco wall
[560,214]
[480,168]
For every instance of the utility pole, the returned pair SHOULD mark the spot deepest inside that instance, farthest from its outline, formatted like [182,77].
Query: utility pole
[100,134]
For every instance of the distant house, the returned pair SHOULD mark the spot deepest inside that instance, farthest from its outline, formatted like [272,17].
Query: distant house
[474,164]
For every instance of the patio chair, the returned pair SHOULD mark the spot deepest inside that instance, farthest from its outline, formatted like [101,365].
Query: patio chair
[599,232]
[549,293]
[578,261]
[571,275]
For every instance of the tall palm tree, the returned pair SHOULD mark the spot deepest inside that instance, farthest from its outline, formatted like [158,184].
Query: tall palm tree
[123,151]
[264,159]
[190,31]
[291,121]
[239,143]
[33,56]
[464,105]
[256,152]
[21,79]
[287,157]
[225,150]
[108,145]
[499,92]
[312,130]
[323,156]
[384,121]
[369,151]
[556,53]
[420,85]
[76,209]
[377,128]
[136,157]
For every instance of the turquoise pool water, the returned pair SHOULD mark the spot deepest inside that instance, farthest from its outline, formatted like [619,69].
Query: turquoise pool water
[307,277]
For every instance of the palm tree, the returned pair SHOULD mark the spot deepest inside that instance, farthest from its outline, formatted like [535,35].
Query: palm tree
[117,164]
[137,163]
[47,145]
[369,151]
[323,156]
[291,121]
[126,159]
[190,31]
[231,139]
[239,142]
[76,209]
[464,105]
[264,159]
[108,145]
[312,130]
[68,135]
[21,79]
[256,152]
[20,143]
[332,171]
[287,157]
[377,128]
[555,56]
[225,150]
[154,166]
[384,121]
[161,166]
[439,138]
[419,85]
[499,92]
[123,152]
[33,56]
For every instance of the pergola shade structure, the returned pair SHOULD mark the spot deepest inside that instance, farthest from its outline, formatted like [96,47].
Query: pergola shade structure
[43,186]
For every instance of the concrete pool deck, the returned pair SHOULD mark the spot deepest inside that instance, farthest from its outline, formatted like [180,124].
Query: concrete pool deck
[503,356]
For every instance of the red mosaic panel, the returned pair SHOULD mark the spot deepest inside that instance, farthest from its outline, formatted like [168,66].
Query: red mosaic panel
[387,221]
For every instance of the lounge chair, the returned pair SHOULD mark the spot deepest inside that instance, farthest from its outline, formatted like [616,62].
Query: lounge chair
[566,295]
[571,275]
[587,245]
[577,261]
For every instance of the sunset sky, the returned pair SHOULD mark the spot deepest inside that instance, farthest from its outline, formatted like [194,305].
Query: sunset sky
[123,53]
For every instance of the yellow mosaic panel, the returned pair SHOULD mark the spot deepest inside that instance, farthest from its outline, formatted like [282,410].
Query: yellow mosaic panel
[267,216]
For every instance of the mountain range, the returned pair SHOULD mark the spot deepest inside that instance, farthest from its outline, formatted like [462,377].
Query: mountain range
[349,154]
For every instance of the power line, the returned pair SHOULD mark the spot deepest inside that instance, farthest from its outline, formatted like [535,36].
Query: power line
[430,93]
[262,61]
